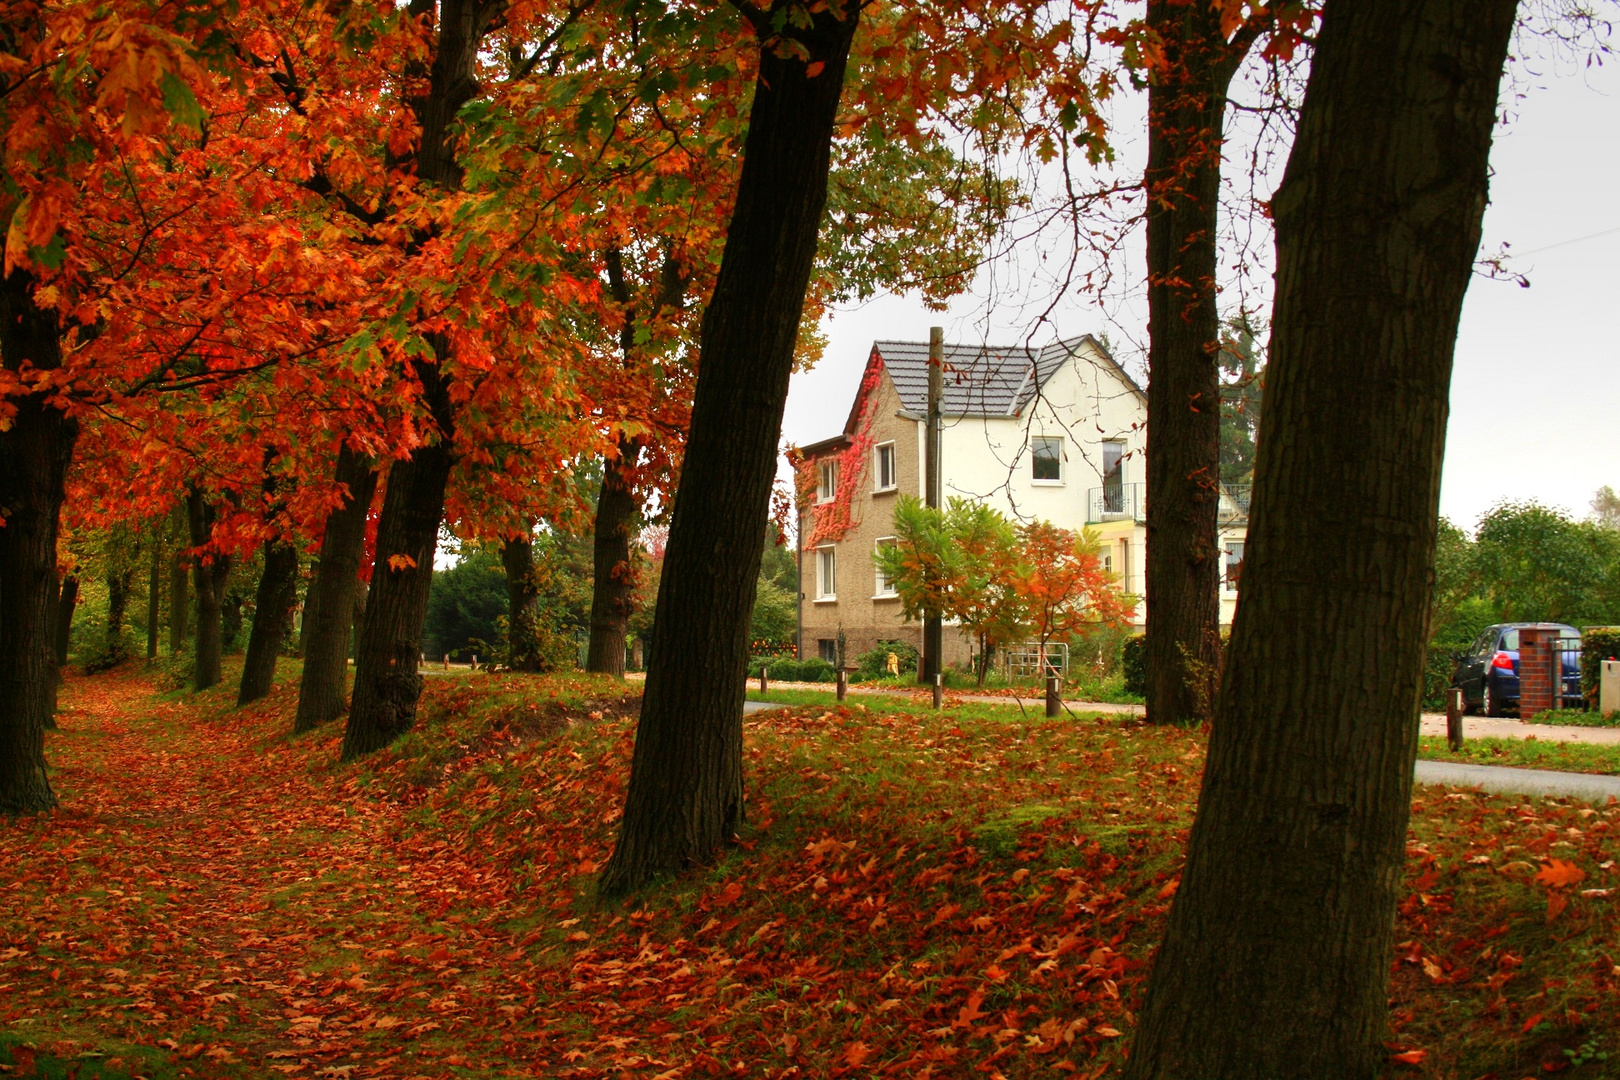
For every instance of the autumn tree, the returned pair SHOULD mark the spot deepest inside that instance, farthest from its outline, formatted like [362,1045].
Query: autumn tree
[684,798]
[961,562]
[1276,954]
[1063,584]
[1193,50]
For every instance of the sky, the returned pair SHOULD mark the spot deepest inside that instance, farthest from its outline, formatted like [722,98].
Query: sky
[1535,400]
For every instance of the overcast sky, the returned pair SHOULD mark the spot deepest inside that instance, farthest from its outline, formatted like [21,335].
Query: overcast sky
[1536,391]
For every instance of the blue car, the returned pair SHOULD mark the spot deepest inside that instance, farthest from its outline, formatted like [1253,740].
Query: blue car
[1488,673]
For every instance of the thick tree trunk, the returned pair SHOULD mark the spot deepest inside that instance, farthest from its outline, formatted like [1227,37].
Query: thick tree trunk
[329,607]
[154,593]
[209,573]
[386,683]
[614,585]
[65,602]
[272,618]
[1276,955]
[522,605]
[36,448]
[1186,107]
[685,798]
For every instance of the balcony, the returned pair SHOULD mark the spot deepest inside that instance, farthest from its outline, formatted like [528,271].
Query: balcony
[1116,502]
[1234,505]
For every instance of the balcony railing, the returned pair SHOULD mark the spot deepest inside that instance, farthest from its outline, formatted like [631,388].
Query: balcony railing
[1115,502]
[1234,505]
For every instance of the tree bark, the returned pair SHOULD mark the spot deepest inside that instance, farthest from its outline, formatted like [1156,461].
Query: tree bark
[65,602]
[119,584]
[210,572]
[154,593]
[386,683]
[272,618]
[1276,954]
[1186,110]
[522,605]
[179,605]
[329,607]
[36,448]
[685,797]
[614,584]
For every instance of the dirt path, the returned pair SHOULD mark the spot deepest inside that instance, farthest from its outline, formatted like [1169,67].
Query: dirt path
[200,894]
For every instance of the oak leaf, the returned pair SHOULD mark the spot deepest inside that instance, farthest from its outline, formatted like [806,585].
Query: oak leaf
[1558,874]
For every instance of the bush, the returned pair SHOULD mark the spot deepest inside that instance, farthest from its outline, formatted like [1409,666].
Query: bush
[1133,664]
[787,669]
[1598,643]
[874,662]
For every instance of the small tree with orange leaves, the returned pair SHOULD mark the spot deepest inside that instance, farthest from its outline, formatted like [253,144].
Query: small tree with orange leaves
[1064,584]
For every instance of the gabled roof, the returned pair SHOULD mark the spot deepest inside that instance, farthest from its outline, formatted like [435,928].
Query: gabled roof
[982,380]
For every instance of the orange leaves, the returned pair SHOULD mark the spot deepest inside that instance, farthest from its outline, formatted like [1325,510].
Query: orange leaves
[1558,875]
[398,563]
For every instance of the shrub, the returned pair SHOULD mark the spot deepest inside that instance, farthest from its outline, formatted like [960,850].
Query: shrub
[1133,664]
[1598,643]
[874,662]
[814,669]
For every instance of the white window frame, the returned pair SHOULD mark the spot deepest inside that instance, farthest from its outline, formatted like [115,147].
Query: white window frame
[878,580]
[827,559]
[878,486]
[1227,585]
[1062,454]
[826,481]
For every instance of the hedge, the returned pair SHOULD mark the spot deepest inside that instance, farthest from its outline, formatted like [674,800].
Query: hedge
[1598,643]
[1133,664]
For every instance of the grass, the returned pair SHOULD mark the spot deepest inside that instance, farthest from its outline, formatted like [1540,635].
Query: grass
[1526,754]
[974,891]
[1577,718]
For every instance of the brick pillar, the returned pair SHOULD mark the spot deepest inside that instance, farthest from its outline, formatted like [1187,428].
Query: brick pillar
[1540,676]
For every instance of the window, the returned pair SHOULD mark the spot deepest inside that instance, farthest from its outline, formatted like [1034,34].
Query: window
[827,483]
[826,574]
[883,474]
[1047,454]
[1234,564]
[1113,477]
[827,649]
[885,583]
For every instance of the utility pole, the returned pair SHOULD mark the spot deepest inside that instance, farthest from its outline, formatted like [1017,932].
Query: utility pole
[933,626]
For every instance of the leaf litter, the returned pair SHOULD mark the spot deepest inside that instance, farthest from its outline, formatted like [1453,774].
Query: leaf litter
[913,896]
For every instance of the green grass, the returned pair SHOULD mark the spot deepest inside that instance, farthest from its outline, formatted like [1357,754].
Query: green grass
[1577,718]
[1526,754]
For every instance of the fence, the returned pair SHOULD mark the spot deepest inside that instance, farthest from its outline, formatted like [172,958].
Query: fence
[1024,661]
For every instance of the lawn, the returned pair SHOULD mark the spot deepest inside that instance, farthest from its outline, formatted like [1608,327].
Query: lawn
[973,892]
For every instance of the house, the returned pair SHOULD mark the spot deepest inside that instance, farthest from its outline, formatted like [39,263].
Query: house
[1056,433]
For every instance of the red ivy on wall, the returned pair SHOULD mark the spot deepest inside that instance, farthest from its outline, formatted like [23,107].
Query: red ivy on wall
[828,522]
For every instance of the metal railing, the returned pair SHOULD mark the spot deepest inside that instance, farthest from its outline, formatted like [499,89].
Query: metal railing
[1234,505]
[1024,660]
[1116,502]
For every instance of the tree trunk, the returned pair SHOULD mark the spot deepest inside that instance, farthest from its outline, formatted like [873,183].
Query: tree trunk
[1186,109]
[154,593]
[614,585]
[210,571]
[65,601]
[329,607]
[522,605]
[179,606]
[36,448]
[685,797]
[1277,951]
[386,683]
[272,618]
[119,584]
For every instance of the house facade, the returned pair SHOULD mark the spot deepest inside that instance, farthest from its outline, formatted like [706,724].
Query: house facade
[1056,433]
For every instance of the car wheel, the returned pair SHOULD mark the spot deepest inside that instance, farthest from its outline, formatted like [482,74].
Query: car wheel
[1487,701]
